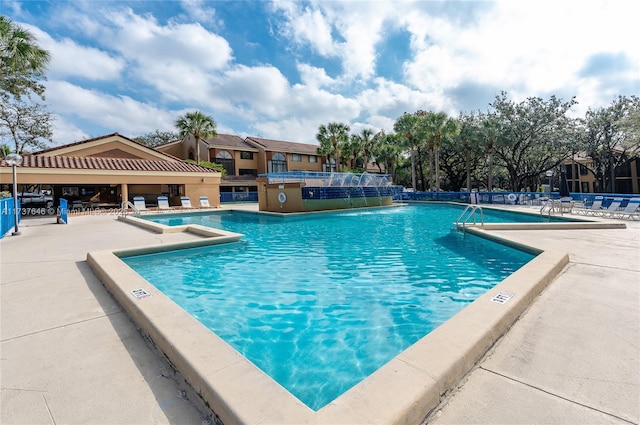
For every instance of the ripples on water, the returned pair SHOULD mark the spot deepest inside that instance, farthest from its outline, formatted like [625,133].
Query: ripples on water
[320,303]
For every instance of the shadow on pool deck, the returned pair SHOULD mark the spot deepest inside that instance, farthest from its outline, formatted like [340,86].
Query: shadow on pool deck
[70,355]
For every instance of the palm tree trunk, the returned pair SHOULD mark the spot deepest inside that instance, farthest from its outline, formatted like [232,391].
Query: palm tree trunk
[197,150]
[437,167]
[413,168]
[467,165]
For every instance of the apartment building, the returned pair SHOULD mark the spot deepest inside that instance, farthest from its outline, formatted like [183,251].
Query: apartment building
[245,159]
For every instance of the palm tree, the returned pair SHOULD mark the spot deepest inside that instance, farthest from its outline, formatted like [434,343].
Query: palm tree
[439,126]
[368,141]
[386,150]
[22,62]
[406,127]
[336,134]
[355,147]
[198,125]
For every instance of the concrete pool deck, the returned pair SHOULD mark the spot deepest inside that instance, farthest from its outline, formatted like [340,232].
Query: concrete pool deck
[70,354]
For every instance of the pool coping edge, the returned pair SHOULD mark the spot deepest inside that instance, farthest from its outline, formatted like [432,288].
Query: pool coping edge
[405,390]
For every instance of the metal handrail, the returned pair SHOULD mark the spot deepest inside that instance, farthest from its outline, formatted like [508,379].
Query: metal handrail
[124,208]
[469,213]
[549,206]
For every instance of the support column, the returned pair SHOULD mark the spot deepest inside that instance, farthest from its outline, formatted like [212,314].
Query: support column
[124,192]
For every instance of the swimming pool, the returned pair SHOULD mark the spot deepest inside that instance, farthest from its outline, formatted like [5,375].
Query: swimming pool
[336,294]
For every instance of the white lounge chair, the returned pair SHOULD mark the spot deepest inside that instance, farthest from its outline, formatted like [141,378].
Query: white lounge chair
[594,209]
[186,202]
[139,203]
[613,208]
[163,203]
[566,204]
[630,211]
[204,202]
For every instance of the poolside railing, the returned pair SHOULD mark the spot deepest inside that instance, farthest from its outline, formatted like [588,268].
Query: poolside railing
[7,216]
[228,197]
[509,198]
[326,179]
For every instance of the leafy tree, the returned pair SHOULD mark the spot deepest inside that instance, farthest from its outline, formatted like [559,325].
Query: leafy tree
[22,67]
[386,150]
[22,62]
[28,124]
[157,138]
[198,125]
[610,137]
[406,127]
[461,155]
[437,127]
[354,148]
[212,165]
[360,146]
[337,136]
[530,137]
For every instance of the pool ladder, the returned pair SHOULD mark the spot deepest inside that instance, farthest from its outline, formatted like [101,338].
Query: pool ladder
[124,208]
[471,212]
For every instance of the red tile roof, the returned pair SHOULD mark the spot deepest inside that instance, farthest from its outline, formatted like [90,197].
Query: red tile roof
[97,163]
[282,146]
[230,141]
[55,148]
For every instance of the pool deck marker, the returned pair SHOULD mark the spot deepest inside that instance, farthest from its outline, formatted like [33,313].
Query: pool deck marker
[140,293]
[502,297]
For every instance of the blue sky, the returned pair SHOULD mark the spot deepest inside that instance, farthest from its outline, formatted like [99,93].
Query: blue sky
[281,69]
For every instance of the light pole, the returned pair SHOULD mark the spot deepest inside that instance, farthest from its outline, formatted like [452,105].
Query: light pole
[14,159]
[549,173]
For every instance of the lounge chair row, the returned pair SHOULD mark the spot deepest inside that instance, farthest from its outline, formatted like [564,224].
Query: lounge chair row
[163,203]
[614,210]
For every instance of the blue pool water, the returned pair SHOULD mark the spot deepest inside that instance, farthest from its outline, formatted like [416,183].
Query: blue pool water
[320,302]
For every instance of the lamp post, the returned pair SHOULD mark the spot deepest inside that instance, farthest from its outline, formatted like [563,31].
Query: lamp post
[549,173]
[14,160]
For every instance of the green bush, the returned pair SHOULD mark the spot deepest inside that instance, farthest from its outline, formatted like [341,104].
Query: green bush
[211,165]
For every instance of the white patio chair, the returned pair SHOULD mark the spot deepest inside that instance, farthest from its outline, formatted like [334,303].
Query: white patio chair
[630,211]
[204,202]
[186,202]
[163,203]
[613,208]
[594,209]
[139,203]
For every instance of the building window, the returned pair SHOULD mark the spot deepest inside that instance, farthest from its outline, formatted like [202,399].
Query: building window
[246,155]
[225,159]
[313,158]
[569,171]
[329,166]
[583,170]
[296,157]
[277,164]
[248,172]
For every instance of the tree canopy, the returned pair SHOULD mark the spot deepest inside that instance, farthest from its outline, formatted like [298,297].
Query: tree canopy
[198,125]
[510,146]
[23,118]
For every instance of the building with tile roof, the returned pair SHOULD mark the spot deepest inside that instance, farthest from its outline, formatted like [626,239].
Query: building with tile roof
[244,159]
[110,169]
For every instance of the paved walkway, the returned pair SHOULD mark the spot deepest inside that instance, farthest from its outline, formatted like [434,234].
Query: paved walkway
[69,355]
[574,356]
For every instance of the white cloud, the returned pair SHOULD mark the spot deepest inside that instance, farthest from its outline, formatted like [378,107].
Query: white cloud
[264,87]
[306,24]
[198,10]
[69,59]
[113,113]
[134,70]
[314,77]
